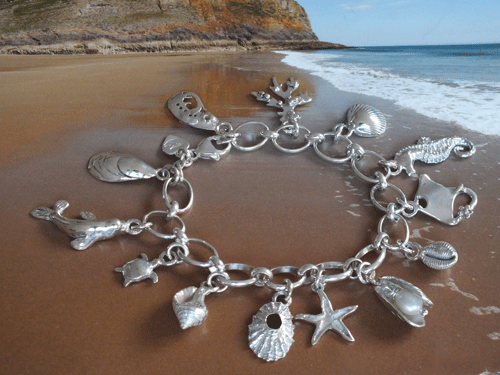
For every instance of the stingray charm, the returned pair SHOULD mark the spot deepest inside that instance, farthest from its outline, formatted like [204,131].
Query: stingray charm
[432,152]
[329,319]
[189,305]
[85,231]
[437,201]
[139,269]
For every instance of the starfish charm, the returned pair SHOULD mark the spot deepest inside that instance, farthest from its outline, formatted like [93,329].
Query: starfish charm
[328,319]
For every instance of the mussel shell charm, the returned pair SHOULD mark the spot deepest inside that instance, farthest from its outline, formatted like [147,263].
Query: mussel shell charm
[269,343]
[403,299]
[439,255]
[367,121]
[189,305]
[118,167]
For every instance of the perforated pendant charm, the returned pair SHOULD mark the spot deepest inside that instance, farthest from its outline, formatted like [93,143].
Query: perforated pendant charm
[271,332]
[192,112]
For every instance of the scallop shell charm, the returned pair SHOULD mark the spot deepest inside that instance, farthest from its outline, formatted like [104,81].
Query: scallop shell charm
[189,305]
[367,121]
[118,167]
[439,255]
[403,299]
[271,332]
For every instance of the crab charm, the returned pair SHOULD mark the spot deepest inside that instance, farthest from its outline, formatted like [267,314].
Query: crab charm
[139,269]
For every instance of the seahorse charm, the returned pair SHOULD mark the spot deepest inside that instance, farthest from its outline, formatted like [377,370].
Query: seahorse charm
[432,152]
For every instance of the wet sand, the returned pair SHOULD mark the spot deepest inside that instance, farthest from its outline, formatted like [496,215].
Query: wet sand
[65,311]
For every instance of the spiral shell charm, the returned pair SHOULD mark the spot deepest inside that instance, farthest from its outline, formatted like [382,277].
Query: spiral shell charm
[189,305]
[271,332]
[367,121]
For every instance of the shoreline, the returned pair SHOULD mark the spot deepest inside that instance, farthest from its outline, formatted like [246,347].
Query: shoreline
[107,46]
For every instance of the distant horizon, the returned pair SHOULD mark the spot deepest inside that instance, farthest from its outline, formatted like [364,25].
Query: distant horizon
[428,45]
[373,23]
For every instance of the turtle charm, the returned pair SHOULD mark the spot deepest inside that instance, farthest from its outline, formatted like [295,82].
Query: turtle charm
[139,269]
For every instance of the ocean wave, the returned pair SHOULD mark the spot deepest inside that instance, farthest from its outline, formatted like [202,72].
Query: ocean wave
[473,105]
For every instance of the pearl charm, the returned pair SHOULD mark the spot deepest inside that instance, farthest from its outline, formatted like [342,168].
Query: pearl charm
[409,303]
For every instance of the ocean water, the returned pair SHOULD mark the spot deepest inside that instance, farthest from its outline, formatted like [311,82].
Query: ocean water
[459,83]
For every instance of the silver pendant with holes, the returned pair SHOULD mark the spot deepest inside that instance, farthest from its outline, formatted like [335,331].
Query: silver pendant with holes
[271,333]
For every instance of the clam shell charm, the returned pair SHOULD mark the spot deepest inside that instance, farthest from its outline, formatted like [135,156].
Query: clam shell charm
[367,121]
[403,299]
[271,332]
[439,255]
[189,305]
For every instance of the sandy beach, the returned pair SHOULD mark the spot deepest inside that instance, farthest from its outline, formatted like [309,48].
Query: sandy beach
[66,312]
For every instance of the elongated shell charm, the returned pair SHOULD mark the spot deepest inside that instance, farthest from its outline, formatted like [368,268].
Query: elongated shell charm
[403,299]
[189,305]
[366,120]
[439,255]
[271,332]
[117,167]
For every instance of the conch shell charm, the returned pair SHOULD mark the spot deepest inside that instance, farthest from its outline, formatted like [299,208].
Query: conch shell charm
[271,332]
[403,299]
[189,305]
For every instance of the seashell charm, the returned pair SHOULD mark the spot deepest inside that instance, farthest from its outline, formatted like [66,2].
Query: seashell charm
[439,255]
[189,305]
[367,121]
[403,299]
[118,167]
[271,332]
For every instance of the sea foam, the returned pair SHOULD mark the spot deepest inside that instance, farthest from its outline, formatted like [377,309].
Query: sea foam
[474,105]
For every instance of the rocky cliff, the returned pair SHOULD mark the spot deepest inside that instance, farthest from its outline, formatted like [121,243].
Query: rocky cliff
[112,26]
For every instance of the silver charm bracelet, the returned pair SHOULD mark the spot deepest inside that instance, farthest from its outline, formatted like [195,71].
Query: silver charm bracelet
[271,330]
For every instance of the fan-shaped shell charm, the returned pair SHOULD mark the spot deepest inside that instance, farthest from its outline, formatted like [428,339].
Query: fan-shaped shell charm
[191,112]
[117,167]
[271,332]
[439,255]
[403,299]
[189,305]
[367,121]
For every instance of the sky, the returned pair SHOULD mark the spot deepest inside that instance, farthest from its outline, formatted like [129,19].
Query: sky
[404,22]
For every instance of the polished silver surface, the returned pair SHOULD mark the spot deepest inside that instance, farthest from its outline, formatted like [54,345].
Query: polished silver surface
[173,144]
[85,231]
[271,340]
[189,305]
[439,255]
[138,269]
[118,167]
[207,150]
[403,299]
[328,319]
[432,152]
[189,110]
[366,120]
[437,201]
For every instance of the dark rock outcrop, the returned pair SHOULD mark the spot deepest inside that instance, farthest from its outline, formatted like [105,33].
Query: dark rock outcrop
[114,26]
